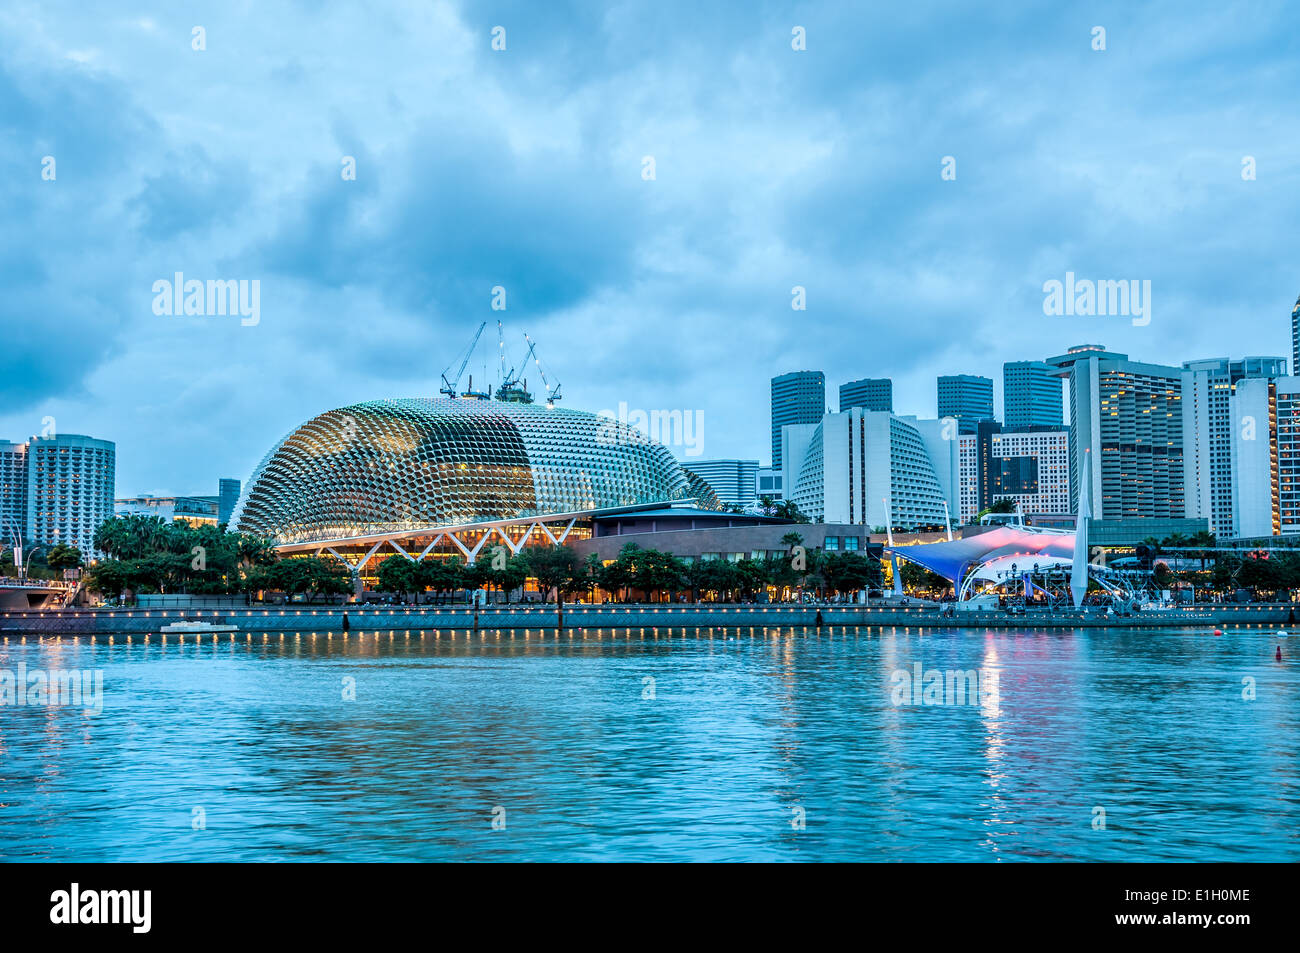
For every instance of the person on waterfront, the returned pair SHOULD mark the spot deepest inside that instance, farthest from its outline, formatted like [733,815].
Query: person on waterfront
[346,624]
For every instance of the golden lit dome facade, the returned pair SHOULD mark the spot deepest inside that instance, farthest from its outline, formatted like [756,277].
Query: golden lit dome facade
[411,465]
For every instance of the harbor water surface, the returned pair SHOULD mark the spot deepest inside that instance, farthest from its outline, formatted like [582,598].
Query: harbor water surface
[658,745]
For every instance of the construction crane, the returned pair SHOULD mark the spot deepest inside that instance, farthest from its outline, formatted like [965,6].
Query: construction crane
[552,393]
[449,386]
[511,389]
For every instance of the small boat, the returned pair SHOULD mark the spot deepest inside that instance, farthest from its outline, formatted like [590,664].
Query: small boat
[186,628]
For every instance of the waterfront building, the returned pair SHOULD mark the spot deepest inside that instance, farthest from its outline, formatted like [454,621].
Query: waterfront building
[797,398]
[1295,337]
[436,477]
[227,497]
[872,468]
[13,494]
[1031,395]
[195,510]
[1126,429]
[1030,466]
[1207,389]
[733,481]
[768,482]
[870,393]
[1266,457]
[967,398]
[699,535]
[70,482]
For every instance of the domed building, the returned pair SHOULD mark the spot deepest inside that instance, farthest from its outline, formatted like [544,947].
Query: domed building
[445,475]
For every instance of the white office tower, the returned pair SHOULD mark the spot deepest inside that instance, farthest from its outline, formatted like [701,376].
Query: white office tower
[732,480]
[1126,425]
[843,469]
[70,482]
[1030,467]
[1266,457]
[1208,387]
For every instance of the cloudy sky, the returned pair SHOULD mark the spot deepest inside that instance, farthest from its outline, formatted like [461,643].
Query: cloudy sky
[523,168]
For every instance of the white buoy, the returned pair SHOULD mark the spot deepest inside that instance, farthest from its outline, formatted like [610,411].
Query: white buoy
[1282,634]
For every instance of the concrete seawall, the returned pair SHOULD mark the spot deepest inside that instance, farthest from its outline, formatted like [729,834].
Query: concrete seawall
[89,622]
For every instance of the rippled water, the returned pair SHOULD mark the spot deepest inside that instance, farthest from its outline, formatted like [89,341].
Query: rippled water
[738,734]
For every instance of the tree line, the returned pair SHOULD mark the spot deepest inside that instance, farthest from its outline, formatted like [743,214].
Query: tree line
[637,573]
[150,554]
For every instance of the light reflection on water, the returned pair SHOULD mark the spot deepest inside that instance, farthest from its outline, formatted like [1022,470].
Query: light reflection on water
[744,726]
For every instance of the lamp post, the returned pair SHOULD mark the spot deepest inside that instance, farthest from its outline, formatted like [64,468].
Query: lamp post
[16,541]
[27,567]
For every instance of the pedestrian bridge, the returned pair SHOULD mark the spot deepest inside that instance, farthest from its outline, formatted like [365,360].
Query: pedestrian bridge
[33,593]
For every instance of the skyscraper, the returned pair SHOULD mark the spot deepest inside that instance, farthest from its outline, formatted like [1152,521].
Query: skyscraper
[13,494]
[70,483]
[1208,387]
[1030,466]
[872,468]
[1266,457]
[797,398]
[1031,395]
[227,497]
[1295,338]
[966,397]
[734,481]
[870,393]
[1126,434]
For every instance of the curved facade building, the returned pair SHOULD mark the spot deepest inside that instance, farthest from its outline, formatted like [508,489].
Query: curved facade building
[873,468]
[408,466]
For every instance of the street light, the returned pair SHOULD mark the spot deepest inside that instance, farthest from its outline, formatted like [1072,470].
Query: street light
[27,568]
[16,541]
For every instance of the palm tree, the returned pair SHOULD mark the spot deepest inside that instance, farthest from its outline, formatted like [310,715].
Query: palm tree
[1176,541]
[1206,541]
[787,510]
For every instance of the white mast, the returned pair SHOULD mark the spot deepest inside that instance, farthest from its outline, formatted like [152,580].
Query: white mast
[1079,570]
[893,560]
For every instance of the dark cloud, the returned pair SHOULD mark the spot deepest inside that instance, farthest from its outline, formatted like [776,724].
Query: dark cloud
[775,168]
[62,298]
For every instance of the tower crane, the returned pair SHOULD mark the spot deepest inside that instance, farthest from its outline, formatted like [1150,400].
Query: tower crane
[511,389]
[449,386]
[552,393]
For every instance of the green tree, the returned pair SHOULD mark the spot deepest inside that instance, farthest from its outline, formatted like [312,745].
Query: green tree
[786,509]
[399,575]
[511,576]
[753,575]
[1223,577]
[61,557]
[556,569]
[590,574]
[918,577]
[851,572]
[1205,542]
[654,571]
[719,576]
[442,575]
[112,577]
[477,575]
[326,577]
[619,575]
